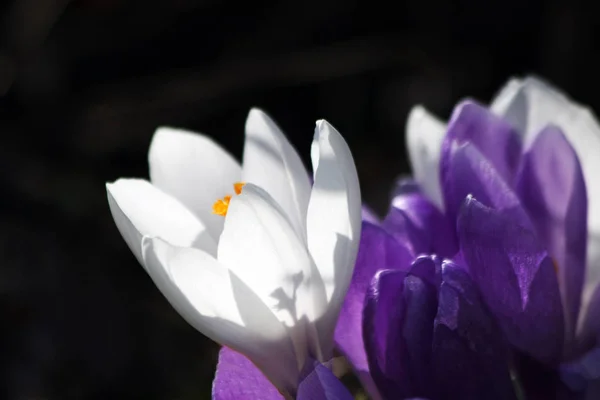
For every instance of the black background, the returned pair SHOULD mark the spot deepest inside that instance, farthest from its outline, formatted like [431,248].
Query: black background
[83,85]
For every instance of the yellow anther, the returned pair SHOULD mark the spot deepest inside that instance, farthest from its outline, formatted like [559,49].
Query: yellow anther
[237,187]
[221,206]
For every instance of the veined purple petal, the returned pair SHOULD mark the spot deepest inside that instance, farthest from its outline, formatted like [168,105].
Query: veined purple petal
[470,356]
[237,378]
[415,220]
[420,298]
[468,172]
[321,384]
[378,250]
[495,138]
[516,277]
[382,327]
[552,189]
[398,323]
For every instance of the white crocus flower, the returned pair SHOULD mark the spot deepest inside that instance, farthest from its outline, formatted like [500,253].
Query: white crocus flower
[268,276]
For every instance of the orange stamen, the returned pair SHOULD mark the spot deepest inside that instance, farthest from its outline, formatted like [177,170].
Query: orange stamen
[220,207]
[238,187]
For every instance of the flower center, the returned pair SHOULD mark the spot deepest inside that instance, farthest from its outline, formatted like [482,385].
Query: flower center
[222,205]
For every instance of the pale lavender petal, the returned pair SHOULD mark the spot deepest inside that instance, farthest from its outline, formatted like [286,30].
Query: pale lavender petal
[321,384]
[469,351]
[516,277]
[552,189]
[237,378]
[468,172]
[495,138]
[378,250]
[415,220]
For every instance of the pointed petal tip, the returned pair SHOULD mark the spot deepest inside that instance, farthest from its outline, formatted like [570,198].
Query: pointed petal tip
[325,131]
[257,115]
[466,104]
[322,125]
[419,114]
[165,132]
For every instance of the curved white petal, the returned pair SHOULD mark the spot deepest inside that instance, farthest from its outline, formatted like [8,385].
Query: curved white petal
[535,104]
[261,247]
[139,209]
[334,219]
[505,96]
[424,137]
[211,299]
[272,163]
[195,170]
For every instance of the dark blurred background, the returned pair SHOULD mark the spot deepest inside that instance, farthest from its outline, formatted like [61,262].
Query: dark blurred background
[83,85]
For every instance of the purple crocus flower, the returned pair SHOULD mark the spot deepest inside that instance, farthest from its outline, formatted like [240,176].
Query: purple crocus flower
[482,280]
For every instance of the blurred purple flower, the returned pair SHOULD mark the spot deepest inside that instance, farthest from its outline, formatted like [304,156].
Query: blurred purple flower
[505,203]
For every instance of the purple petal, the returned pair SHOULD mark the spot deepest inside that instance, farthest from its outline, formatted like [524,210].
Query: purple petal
[321,384]
[421,303]
[378,250]
[469,352]
[495,138]
[429,269]
[398,322]
[382,321]
[578,373]
[552,189]
[516,277]
[415,220]
[237,378]
[468,172]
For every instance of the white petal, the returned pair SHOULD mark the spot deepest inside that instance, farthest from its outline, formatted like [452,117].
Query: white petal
[220,306]
[272,163]
[139,209]
[536,104]
[505,96]
[334,219]
[261,247]
[424,137]
[195,170]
